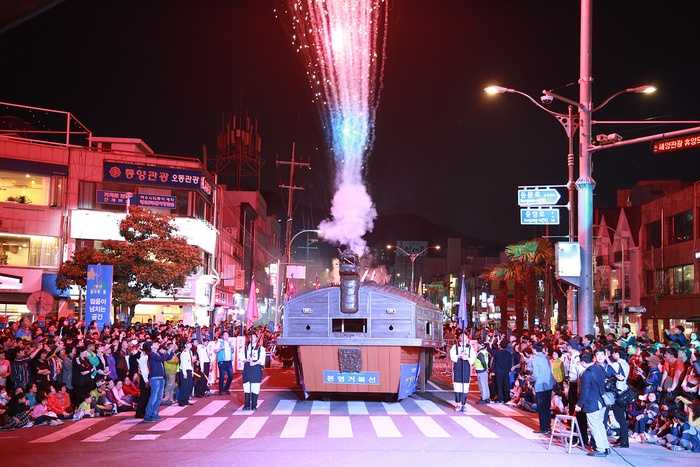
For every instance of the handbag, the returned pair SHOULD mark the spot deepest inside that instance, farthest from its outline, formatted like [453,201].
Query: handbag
[626,397]
[608,398]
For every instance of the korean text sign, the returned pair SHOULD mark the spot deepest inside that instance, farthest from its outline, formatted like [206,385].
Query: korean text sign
[157,176]
[98,299]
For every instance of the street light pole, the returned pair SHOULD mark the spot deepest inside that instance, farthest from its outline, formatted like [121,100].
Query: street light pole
[585,183]
[412,257]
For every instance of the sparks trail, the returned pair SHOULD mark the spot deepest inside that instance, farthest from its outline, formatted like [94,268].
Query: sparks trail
[343,43]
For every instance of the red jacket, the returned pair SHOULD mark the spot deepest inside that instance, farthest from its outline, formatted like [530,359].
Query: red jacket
[59,402]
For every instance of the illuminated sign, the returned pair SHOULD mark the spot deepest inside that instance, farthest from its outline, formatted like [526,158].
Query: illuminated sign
[104,225]
[141,199]
[544,216]
[676,144]
[157,176]
[568,261]
[537,196]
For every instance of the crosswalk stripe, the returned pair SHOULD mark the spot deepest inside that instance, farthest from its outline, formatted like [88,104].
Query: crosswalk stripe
[249,428]
[429,427]
[112,431]
[321,408]
[211,408]
[394,408]
[514,425]
[357,408]
[127,414]
[504,409]
[264,380]
[240,412]
[384,426]
[70,430]
[172,410]
[284,407]
[295,427]
[145,437]
[204,428]
[429,407]
[473,427]
[339,427]
[167,424]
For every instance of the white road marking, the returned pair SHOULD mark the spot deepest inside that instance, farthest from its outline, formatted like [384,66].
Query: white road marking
[429,407]
[394,408]
[67,431]
[339,427]
[204,428]
[514,425]
[384,427]
[505,410]
[429,427]
[167,424]
[473,427]
[284,407]
[146,437]
[170,411]
[110,432]
[357,408]
[211,408]
[250,428]
[321,408]
[295,427]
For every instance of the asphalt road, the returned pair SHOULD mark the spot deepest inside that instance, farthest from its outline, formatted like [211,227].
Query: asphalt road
[422,430]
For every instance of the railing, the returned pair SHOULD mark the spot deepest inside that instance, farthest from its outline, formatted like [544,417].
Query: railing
[41,125]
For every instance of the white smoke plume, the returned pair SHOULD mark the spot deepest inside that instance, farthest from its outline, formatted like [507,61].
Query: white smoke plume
[352,216]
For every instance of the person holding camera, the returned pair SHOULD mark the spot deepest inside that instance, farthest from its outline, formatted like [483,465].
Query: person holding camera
[620,370]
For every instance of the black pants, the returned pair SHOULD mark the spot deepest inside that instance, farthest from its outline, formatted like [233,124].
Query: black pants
[583,426]
[184,391]
[144,394]
[620,413]
[573,396]
[502,387]
[544,409]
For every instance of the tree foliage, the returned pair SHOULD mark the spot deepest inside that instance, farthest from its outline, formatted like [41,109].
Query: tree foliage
[151,257]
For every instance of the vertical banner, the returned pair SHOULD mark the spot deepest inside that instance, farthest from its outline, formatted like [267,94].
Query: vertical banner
[98,299]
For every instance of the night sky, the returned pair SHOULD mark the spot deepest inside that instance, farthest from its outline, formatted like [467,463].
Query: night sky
[166,72]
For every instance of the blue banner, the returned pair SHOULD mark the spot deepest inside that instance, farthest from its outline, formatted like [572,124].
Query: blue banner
[98,299]
[157,176]
[362,377]
[141,199]
[408,379]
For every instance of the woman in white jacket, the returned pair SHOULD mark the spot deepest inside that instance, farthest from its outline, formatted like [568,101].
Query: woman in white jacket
[185,388]
[463,357]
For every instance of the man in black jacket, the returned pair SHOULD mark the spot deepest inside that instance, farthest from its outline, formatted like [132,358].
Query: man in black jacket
[591,387]
[502,363]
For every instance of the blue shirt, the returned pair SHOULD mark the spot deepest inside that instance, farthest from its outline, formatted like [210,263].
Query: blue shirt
[542,373]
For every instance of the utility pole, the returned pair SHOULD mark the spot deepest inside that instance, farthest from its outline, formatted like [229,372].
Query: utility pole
[572,322]
[585,183]
[291,188]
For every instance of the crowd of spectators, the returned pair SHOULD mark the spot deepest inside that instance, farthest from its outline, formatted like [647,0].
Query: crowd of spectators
[654,382]
[61,370]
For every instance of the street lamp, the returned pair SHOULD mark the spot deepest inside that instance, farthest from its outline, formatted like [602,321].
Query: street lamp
[571,124]
[412,256]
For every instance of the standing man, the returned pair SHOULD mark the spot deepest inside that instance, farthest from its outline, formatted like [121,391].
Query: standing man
[224,356]
[481,365]
[543,384]
[463,358]
[621,371]
[184,390]
[203,357]
[591,387]
[502,363]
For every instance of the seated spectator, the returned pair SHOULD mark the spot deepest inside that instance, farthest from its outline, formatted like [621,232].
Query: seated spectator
[649,414]
[41,414]
[123,401]
[18,412]
[558,403]
[84,409]
[102,406]
[131,388]
[31,395]
[59,402]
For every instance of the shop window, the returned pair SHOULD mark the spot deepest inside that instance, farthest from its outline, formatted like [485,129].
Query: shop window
[679,280]
[30,188]
[681,227]
[181,202]
[26,250]
[653,235]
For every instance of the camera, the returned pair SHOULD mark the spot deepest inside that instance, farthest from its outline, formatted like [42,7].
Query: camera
[546,99]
